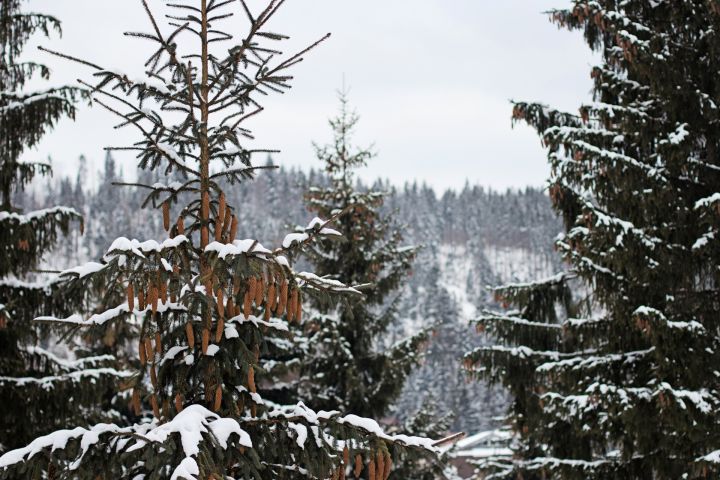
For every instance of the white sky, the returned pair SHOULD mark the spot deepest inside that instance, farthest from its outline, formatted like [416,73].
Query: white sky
[431,80]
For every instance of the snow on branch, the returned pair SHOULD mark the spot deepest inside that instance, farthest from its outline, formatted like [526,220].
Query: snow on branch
[372,427]
[112,313]
[703,241]
[83,270]
[321,283]
[45,286]
[707,202]
[316,227]
[190,424]
[274,323]
[238,247]
[50,382]
[652,314]
[539,463]
[613,110]
[703,401]
[123,246]
[712,457]
[594,361]
[519,352]
[69,365]
[584,262]
[365,425]
[626,227]
[194,425]
[496,317]
[57,212]
[578,323]
[58,441]
[22,101]
[556,279]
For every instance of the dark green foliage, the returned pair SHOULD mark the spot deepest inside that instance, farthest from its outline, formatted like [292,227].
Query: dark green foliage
[350,366]
[622,384]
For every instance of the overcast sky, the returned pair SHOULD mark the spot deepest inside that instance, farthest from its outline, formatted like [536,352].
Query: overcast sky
[431,80]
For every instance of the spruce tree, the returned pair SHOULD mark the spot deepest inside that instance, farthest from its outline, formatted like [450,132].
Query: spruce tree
[39,391]
[612,365]
[205,299]
[348,367]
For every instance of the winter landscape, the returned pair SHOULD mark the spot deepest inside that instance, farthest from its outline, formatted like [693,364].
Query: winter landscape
[190,292]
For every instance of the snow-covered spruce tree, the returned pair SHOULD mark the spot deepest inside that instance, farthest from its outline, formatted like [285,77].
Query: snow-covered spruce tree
[205,299]
[347,367]
[28,371]
[626,387]
[529,336]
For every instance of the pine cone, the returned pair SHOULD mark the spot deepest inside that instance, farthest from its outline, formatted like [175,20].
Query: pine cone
[141,299]
[190,335]
[130,297]
[153,376]
[247,303]
[282,303]
[388,466]
[271,300]
[251,379]
[149,352]
[154,404]
[259,292]
[136,401]
[252,287]
[358,466]
[233,229]
[298,309]
[205,340]
[218,398]
[141,352]
[220,304]
[166,215]
[219,330]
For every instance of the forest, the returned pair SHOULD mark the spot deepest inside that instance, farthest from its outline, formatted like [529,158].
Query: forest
[206,312]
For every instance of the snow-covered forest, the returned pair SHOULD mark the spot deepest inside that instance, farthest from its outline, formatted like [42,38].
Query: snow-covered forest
[470,240]
[209,313]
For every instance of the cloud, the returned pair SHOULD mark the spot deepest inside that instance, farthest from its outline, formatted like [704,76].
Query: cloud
[431,80]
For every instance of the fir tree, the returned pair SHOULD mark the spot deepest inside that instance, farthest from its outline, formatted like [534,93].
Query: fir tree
[39,391]
[348,368]
[206,301]
[623,384]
